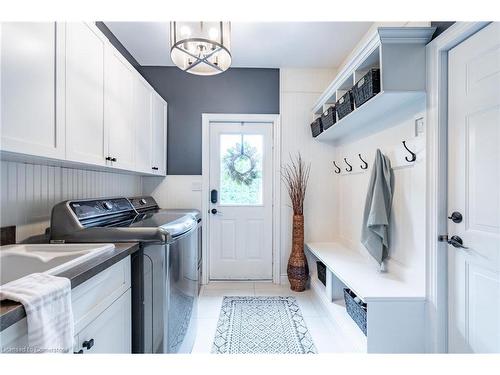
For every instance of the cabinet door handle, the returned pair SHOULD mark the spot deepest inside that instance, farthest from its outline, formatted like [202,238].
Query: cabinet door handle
[79,352]
[108,157]
[113,159]
[88,344]
[154,168]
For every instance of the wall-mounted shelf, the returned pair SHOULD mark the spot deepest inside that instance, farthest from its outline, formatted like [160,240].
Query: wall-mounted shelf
[399,53]
[380,105]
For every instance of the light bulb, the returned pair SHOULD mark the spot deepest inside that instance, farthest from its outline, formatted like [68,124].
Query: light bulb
[213,33]
[185,31]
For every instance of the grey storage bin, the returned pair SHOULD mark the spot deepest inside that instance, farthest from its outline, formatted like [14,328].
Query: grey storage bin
[357,311]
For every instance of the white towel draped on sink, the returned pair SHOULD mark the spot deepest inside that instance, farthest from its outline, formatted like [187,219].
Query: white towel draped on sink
[47,301]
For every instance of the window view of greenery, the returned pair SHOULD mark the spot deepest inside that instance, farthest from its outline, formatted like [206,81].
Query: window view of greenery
[241,169]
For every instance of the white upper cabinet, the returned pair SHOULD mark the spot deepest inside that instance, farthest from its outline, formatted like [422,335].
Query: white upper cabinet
[159,162]
[68,96]
[29,123]
[85,135]
[143,96]
[118,110]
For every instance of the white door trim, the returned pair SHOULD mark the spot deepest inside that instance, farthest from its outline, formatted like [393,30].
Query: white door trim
[207,118]
[437,160]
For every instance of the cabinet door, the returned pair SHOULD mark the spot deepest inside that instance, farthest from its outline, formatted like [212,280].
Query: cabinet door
[29,55]
[143,130]
[111,331]
[118,109]
[159,135]
[85,141]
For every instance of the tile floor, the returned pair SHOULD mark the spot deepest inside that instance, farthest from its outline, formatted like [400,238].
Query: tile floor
[326,336]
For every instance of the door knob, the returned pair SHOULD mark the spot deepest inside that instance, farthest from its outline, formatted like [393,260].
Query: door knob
[457,242]
[88,344]
[215,212]
[456,217]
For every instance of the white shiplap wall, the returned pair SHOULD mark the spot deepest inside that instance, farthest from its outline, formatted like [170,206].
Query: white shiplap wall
[29,191]
[407,229]
[299,89]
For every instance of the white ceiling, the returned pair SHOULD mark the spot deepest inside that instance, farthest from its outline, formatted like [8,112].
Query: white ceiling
[254,44]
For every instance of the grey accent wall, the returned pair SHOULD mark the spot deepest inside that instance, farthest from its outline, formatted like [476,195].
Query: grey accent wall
[238,90]
[440,26]
[117,44]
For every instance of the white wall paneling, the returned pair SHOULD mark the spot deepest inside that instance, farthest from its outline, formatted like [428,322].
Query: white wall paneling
[29,191]
[175,191]
[299,89]
[407,250]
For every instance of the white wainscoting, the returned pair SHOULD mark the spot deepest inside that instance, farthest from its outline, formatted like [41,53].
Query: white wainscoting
[29,191]
[299,89]
[407,242]
[174,191]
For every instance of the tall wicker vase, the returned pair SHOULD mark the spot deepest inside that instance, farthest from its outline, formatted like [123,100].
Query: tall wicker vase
[297,270]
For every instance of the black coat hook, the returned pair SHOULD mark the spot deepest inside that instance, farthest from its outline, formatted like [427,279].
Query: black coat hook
[337,168]
[413,155]
[365,166]
[350,166]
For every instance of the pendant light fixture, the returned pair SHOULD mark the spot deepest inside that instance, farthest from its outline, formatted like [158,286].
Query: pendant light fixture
[202,48]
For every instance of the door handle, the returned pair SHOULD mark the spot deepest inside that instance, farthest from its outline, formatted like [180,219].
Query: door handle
[88,344]
[456,217]
[215,212]
[457,242]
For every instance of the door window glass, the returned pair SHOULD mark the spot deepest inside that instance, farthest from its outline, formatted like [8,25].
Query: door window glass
[241,169]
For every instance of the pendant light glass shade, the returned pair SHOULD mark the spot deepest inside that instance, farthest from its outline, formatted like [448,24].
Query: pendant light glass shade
[202,48]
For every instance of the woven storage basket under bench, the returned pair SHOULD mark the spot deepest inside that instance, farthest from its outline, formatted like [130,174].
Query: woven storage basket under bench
[388,307]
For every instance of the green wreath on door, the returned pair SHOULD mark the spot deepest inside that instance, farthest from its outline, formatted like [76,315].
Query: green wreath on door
[240,162]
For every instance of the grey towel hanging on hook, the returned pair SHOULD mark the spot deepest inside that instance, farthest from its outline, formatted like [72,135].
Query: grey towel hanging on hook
[375,230]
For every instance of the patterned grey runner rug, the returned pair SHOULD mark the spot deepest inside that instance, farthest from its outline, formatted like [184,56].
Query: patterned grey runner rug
[261,325]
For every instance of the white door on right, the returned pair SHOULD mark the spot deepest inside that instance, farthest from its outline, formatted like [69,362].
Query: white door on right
[474,193]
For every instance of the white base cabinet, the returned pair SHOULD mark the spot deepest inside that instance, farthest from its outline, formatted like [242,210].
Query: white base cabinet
[109,332]
[68,97]
[102,313]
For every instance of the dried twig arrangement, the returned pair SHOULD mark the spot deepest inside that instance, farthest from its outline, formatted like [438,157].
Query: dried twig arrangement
[295,175]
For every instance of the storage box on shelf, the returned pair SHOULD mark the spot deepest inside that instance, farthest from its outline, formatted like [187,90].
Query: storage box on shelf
[345,104]
[367,87]
[398,54]
[394,303]
[316,127]
[321,268]
[356,309]
[329,117]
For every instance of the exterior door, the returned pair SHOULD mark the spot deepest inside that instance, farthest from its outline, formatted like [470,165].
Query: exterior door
[474,193]
[240,216]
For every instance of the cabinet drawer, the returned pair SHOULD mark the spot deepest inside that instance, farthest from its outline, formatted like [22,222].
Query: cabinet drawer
[97,293]
[111,331]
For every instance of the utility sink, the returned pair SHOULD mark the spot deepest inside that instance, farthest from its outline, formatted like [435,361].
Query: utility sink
[17,261]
